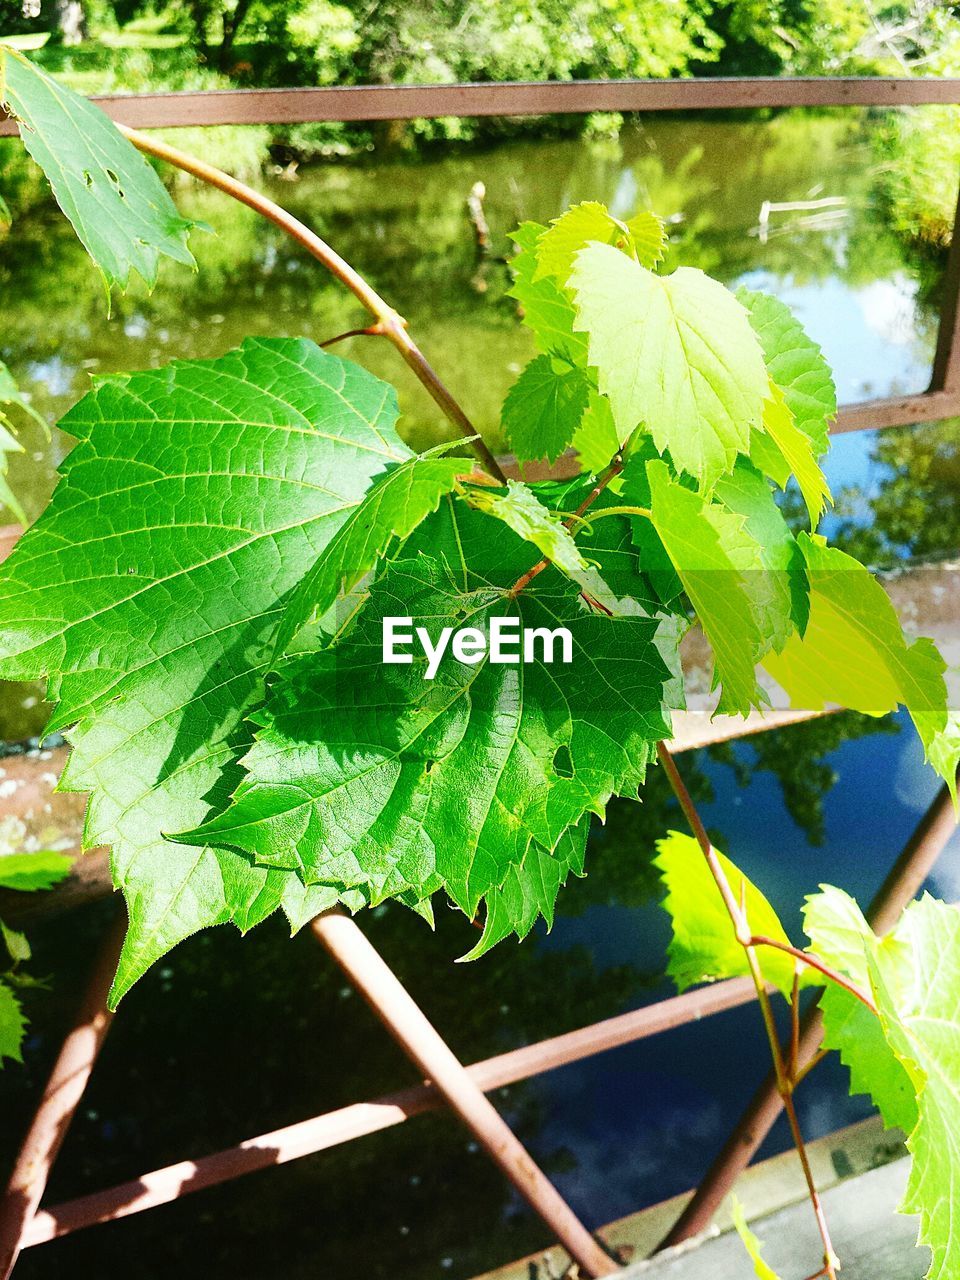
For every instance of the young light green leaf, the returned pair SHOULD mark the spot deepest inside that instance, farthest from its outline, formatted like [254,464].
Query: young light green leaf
[840,935]
[704,946]
[675,353]
[547,308]
[787,608]
[797,452]
[390,778]
[151,590]
[648,236]
[921,1021]
[118,206]
[752,1245]
[30,871]
[643,236]
[568,234]
[544,407]
[596,439]
[740,604]
[796,365]
[397,500]
[521,510]
[13,1025]
[854,653]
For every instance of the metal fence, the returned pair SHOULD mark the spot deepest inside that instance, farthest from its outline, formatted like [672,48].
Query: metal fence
[23,1222]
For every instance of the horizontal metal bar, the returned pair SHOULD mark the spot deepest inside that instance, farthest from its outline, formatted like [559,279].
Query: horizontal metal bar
[362,1118]
[896,411]
[512,98]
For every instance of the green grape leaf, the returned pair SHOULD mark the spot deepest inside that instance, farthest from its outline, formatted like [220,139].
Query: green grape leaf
[544,407]
[854,653]
[741,604]
[30,871]
[18,948]
[797,452]
[529,890]
[397,500]
[784,577]
[648,237]
[703,946]
[150,592]
[752,1245]
[118,206]
[13,1025]
[547,308]
[566,236]
[426,776]
[921,1021]
[522,511]
[797,366]
[596,439]
[675,353]
[10,394]
[839,935]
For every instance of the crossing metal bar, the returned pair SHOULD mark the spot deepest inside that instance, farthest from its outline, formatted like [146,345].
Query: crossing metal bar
[424,1045]
[68,1080]
[321,1133]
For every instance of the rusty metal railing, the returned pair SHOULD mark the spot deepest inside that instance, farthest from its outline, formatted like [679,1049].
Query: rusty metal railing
[23,1222]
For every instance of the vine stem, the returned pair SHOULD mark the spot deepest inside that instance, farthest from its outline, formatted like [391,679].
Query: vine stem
[612,471]
[814,962]
[737,912]
[389,322]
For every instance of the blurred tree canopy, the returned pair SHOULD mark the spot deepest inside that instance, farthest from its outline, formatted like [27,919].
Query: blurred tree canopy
[344,41]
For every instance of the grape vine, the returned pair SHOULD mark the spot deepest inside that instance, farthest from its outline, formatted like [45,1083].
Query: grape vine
[207,592]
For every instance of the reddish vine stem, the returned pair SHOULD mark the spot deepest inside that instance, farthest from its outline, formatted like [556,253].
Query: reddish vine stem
[611,472]
[785,1083]
[814,962]
[389,322]
[373,331]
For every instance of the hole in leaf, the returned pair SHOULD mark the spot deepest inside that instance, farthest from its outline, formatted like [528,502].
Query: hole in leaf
[88,177]
[563,762]
[429,766]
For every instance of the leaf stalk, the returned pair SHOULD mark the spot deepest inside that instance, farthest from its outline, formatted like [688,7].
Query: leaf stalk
[786,1083]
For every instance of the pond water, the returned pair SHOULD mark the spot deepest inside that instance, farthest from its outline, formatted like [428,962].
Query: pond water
[234,1037]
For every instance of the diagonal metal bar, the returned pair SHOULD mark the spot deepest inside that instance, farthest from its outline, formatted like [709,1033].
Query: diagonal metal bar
[424,1045]
[68,1080]
[902,884]
[322,1132]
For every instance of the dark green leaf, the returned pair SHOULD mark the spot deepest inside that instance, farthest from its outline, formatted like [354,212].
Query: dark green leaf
[543,408]
[151,590]
[374,776]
